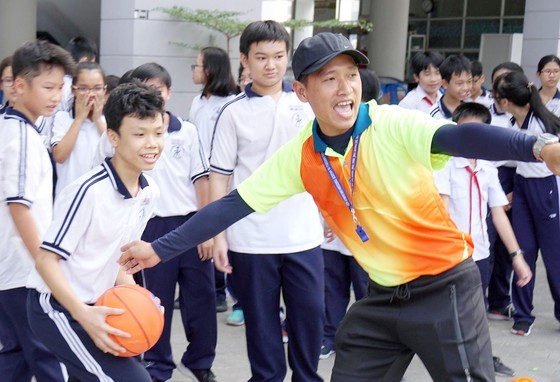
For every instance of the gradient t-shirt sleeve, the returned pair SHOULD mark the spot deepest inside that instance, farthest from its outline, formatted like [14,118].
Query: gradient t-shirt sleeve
[276,179]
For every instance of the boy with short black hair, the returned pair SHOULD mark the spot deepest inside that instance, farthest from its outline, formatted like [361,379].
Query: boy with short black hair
[425,69]
[93,217]
[457,82]
[479,93]
[182,174]
[26,208]
[277,252]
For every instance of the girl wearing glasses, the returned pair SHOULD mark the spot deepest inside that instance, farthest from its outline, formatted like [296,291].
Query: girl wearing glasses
[548,70]
[7,81]
[76,132]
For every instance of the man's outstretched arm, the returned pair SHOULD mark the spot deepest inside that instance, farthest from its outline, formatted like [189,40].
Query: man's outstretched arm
[205,224]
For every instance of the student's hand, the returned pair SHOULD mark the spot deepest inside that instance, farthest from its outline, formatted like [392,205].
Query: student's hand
[328,233]
[137,255]
[522,270]
[82,107]
[92,319]
[510,200]
[97,106]
[220,254]
[205,250]
[551,156]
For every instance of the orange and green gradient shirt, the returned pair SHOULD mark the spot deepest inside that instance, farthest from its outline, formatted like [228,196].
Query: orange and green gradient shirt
[395,198]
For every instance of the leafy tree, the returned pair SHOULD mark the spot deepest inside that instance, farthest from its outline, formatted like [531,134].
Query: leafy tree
[228,24]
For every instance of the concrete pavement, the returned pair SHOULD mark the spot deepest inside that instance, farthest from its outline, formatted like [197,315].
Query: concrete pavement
[536,356]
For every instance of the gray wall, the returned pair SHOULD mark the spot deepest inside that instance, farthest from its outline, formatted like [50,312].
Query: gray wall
[127,42]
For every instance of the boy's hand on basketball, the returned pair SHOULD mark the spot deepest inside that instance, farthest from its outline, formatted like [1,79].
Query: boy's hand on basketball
[522,270]
[205,250]
[92,319]
[220,254]
[137,255]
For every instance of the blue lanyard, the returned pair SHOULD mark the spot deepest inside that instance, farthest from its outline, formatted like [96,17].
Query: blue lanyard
[336,182]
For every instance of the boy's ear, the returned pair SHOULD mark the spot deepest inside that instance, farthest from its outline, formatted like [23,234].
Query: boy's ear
[244,59]
[300,90]
[416,78]
[113,137]
[445,84]
[20,84]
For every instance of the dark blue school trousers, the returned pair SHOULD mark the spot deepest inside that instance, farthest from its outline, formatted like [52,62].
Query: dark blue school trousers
[536,224]
[23,355]
[198,303]
[341,273]
[258,280]
[68,340]
[499,288]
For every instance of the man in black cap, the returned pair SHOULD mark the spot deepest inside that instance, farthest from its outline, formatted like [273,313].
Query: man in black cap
[368,168]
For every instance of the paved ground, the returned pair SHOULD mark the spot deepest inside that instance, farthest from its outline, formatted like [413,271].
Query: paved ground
[536,356]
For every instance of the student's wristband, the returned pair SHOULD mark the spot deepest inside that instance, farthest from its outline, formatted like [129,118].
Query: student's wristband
[518,252]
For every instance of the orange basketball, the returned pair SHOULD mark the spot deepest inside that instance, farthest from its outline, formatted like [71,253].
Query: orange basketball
[142,317]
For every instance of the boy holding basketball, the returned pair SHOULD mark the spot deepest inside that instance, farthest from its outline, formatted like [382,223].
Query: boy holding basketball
[94,215]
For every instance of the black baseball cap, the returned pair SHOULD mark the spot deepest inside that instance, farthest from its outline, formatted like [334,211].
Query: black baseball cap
[315,52]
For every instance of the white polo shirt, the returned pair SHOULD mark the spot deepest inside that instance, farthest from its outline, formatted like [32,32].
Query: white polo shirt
[501,119]
[532,126]
[80,159]
[468,208]
[26,178]
[484,99]
[418,99]
[203,114]
[440,111]
[554,104]
[182,162]
[93,217]
[251,128]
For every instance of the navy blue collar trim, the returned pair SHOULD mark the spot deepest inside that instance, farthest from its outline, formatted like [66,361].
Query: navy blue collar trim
[4,107]
[525,124]
[557,94]
[118,183]
[174,123]
[444,109]
[286,88]
[484,91]
[495,111]
[12,113]
[363,121]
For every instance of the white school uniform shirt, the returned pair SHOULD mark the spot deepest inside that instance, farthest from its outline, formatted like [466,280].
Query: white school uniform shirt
[484,99]
[26,178]
[501,119]
[418,99]
[468,208]
[440,111]
[554,104]
[80,159]
[203,114]
[249,130]
[532,126]
[182,162]
[93,217]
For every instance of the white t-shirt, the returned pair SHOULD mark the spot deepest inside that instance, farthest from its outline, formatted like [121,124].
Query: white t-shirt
[468,208]
[418,99]
[554,104]
[80,159]
[182,162]
[203,114]
[93,217]
[26,178]
[249,130]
